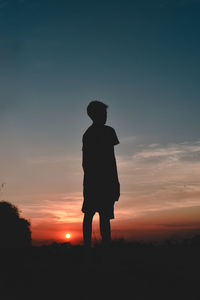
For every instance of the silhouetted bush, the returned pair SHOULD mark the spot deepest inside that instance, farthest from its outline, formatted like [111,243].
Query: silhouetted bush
[14,230]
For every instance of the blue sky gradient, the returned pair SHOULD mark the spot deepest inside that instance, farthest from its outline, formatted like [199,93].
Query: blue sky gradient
[139,57]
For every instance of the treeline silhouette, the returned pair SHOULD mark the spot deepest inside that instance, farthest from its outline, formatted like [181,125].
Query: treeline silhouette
[14,230]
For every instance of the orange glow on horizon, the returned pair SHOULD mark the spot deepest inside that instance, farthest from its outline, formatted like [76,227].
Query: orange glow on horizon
[154,225]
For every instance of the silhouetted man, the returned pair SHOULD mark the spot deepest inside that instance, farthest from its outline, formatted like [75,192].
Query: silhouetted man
[101,186]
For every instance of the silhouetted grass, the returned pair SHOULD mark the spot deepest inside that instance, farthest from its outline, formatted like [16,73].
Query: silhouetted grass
[128,270]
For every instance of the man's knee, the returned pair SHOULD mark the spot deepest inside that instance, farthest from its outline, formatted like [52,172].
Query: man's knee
[88,217]
[104,219]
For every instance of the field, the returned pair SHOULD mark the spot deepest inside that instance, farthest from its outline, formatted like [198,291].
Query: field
[124,271]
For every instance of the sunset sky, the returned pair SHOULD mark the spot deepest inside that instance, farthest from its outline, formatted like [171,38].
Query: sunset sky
[139,57]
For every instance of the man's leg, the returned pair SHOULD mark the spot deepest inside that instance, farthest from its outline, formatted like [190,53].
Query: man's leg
[87,228]
[105,229]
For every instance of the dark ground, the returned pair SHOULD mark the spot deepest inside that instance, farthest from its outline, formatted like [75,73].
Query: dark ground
[125,271]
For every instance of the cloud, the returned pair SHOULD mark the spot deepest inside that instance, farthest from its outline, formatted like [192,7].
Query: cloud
[160,177]
[170,152]
[128,139]
[55,208]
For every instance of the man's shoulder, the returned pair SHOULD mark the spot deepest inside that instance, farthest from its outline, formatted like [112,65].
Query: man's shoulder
[87,132]
[109,128]
[92,129]
[112,135]
[110,131]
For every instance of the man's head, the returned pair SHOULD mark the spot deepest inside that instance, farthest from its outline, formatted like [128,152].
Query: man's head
[97,111]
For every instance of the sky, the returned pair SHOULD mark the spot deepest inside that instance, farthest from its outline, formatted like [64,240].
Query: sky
[139,57]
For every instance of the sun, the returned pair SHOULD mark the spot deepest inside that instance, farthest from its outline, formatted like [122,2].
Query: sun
[68,235]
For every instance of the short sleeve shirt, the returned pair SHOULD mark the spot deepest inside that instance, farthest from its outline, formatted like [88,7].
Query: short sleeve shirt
[98,149]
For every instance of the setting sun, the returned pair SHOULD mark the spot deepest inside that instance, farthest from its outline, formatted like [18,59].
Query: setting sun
[68,235]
